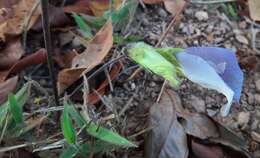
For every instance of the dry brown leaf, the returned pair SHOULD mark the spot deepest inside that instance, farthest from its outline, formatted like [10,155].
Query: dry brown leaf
[6,87]
[254,6]
[152,1]
[38,57]
[167,138]
[91,7]
[16,17]
[80,6]
[96,51]
[99,7]
[173,6]
[11,53]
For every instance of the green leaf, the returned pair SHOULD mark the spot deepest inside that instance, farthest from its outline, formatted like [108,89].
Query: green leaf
[86,148]
[68,130]
[22,96]
[120,16]
[96,131]
[93,21]
[97,147]
[75,115]
[121,40]
[168,54]
[16,110]
[108,136]
[151,60]
[70,152]
[83,26]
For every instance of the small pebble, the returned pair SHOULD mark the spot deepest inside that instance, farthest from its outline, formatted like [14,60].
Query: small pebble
[198,103]
[255,124]
[152,84]
[243,118]
[201,15]
[242,39]
[257,83]
[250,98]
[211,112]
[133,86]
[162,12]
[242,25]
[257,98]
[255,136]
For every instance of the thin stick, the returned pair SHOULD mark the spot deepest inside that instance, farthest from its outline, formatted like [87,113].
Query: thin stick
[160,41]
[169,26]
[161,91]
[48,46]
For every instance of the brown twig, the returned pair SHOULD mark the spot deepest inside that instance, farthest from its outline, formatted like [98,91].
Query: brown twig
[48,46]
[162,38]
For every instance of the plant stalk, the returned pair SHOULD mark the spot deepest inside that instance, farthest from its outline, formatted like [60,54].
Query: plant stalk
[48,46]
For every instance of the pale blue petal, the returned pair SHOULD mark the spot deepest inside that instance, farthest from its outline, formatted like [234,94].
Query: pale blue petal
[225,63]
[199,71]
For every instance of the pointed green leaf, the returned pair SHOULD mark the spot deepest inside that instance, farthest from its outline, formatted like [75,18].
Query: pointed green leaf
[108,136]
[122,40]
[22,95]
[96,131]
[16,110]
[68,130]
[83,26]
[70,152]
[79,120]
[87,148]
[93,21]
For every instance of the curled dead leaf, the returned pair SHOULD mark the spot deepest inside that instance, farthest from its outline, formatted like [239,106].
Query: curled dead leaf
[206,151]
[198,125]
[174,6]
[96,51]
[207,138]
[38,57]
[167,138]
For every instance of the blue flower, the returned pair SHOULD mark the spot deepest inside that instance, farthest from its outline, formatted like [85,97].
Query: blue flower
[213,68]
[225,63]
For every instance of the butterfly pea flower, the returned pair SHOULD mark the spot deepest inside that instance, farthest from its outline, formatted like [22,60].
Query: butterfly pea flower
[150,59]
[201,72]
[225,63]
[211,67]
